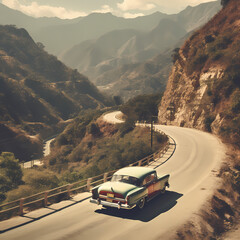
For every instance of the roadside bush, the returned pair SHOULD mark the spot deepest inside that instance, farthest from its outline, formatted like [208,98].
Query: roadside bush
[10,169]
[142,107]
[40,180]
[21,192]
[126,127]
[70,177]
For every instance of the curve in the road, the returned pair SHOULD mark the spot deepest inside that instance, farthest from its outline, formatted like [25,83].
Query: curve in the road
[192,179]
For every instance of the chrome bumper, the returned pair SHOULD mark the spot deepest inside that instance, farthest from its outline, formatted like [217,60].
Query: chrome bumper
[110,204]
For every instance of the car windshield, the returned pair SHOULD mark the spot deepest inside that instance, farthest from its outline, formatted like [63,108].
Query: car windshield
[126,179]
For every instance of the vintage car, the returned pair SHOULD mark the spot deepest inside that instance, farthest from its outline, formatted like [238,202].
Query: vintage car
[130,187]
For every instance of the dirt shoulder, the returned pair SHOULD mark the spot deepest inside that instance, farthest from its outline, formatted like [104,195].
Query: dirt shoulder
[219,217]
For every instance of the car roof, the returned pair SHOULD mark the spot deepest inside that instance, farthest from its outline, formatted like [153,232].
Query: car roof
[137,172]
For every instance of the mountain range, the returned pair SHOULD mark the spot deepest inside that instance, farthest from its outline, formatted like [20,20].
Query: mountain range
[112,53]
[58,35]
[100,45]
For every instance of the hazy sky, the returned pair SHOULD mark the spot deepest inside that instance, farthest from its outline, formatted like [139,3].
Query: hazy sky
[76,8]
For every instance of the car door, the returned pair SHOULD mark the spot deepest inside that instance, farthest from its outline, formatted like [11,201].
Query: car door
[149,182]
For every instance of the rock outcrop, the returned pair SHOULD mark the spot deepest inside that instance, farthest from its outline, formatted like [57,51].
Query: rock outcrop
[203,87]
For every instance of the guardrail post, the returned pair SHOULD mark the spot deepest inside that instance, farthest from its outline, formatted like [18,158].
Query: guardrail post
[21,206]
[45,199]
[89,184]
[69,190]
[140,163]
[148,161]
[105,177]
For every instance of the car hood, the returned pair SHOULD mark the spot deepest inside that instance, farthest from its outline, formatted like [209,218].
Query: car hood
[117,187]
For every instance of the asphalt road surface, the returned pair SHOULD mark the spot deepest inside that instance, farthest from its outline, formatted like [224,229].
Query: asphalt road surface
[192,170]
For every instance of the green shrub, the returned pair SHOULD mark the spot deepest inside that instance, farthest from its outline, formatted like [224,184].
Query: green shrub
[142,107]
[71,177]
[40,180]
[208,121]
[11,169]
[126,127]
[21,192]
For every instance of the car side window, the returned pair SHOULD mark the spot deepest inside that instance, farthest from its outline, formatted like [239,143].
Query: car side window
[149,178]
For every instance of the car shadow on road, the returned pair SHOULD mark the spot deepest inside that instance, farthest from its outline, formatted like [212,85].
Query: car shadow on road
[152,209]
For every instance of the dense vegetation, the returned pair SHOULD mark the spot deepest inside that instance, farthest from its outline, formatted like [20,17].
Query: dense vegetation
[91,147]
[142,107]
[10,173]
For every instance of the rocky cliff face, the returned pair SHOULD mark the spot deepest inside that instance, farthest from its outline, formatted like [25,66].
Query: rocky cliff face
[203,87]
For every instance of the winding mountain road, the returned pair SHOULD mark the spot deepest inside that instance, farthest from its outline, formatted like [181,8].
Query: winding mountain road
[192,170]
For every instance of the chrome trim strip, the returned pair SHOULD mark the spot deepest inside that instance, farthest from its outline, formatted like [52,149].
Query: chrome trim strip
[112,198]
[109,204]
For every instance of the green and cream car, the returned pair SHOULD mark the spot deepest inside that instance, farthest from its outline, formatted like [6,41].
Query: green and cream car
[130,187]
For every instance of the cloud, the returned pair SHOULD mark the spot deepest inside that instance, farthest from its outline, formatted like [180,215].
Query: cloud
[165,5]
[132,15]
[36,10]
[127,5]
[104,9]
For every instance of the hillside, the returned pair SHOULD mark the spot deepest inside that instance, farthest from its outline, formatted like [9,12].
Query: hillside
[122,47]
[130,80]
[203,92]
[36,90]
[203,88]
[90,146]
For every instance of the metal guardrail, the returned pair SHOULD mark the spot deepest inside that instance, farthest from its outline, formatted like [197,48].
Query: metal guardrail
[43,199]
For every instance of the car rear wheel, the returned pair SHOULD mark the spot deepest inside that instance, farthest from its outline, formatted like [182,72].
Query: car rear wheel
[141,203]
[163,190]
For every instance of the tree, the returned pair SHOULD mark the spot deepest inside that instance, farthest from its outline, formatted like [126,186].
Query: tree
[175,55]
[10,173]
[10,169]
[117,100]
[93,129]
[40,45]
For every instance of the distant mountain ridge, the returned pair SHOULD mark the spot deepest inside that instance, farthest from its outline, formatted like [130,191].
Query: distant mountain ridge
[121,47]
[58,35]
